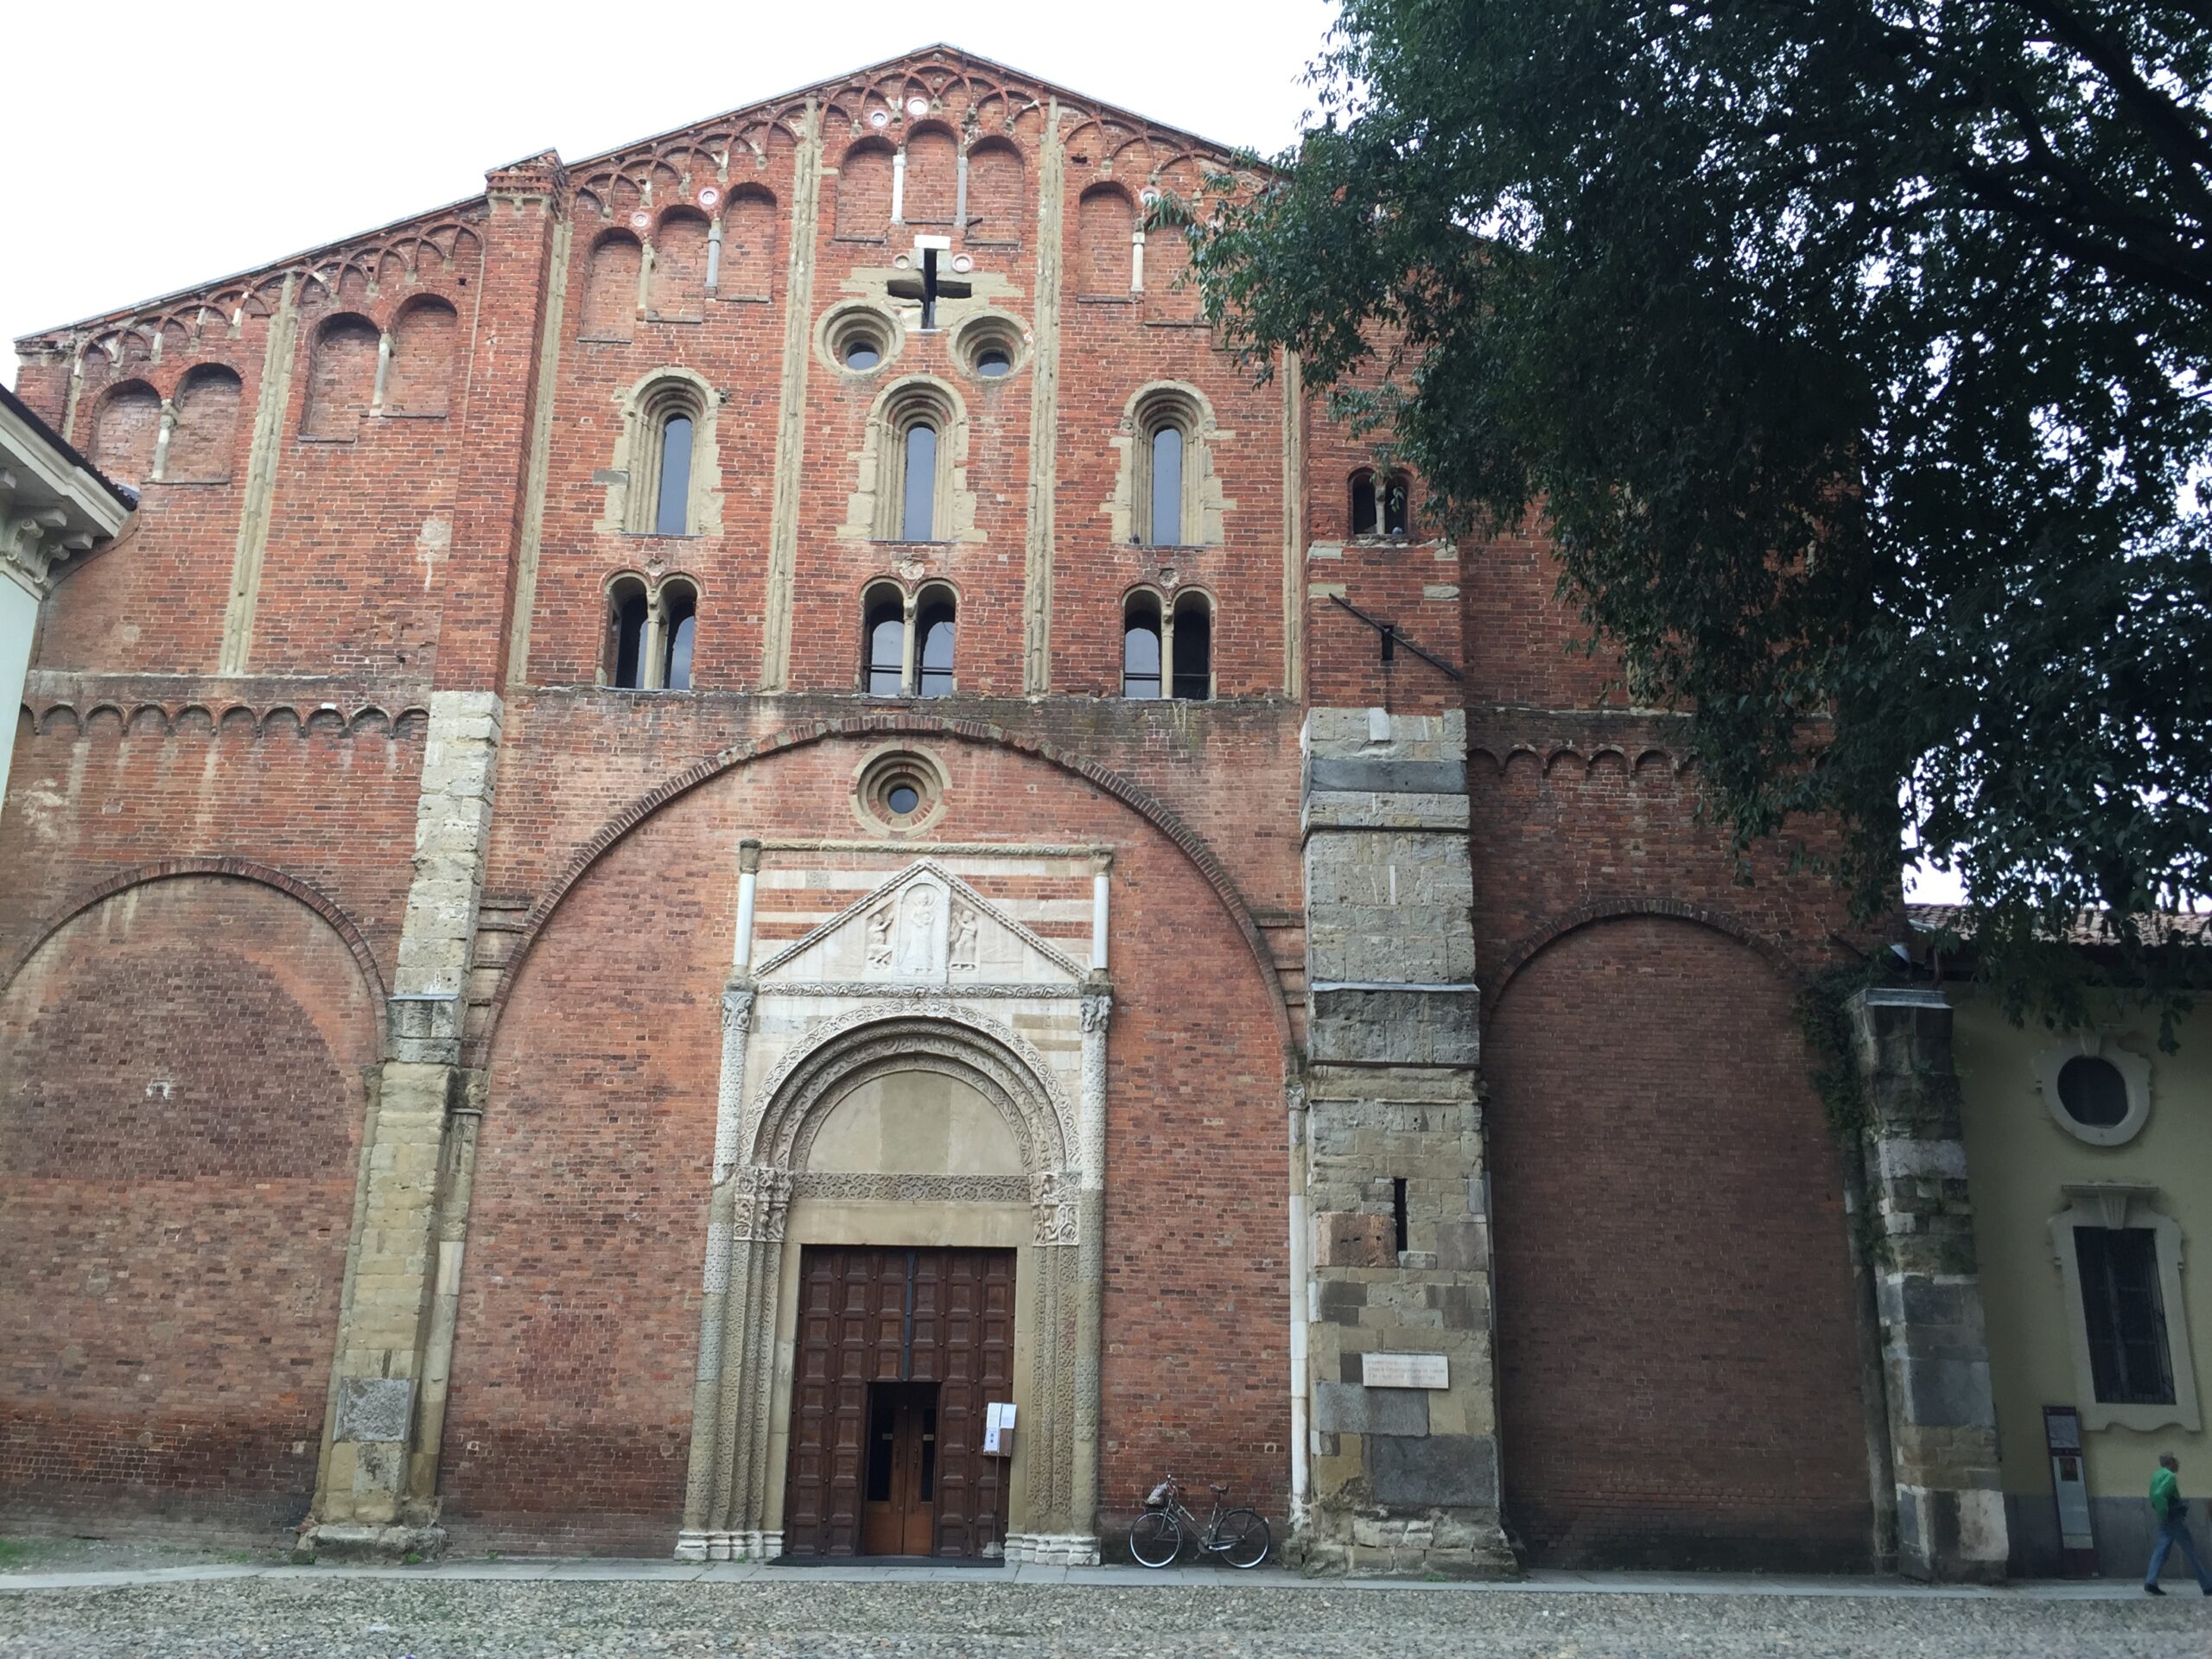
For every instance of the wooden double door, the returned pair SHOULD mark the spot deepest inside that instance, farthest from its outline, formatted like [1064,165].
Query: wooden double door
[898,1352]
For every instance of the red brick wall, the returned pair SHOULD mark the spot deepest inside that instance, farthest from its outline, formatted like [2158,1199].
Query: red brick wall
[1677,1357]
[111,773]
[187,1068]
[569,1420]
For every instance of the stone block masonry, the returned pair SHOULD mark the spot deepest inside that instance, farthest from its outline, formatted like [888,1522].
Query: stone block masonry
[1404,1478]
[1927,1290]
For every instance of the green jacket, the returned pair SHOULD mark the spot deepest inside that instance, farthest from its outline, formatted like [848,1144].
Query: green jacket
[2165,1489]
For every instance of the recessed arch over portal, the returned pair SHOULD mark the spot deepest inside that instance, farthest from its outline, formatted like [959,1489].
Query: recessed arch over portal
[777,1396]
[874,728]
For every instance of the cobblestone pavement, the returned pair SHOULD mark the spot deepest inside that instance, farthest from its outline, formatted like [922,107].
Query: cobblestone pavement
[432,1615]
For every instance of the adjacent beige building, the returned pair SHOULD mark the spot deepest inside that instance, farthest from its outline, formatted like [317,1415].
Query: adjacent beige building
[2090,1157]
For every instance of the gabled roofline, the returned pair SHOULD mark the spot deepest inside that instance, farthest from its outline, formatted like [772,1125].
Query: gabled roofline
[154,302]
[867,69]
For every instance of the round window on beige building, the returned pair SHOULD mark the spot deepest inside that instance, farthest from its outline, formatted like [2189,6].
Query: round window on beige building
[2096,1091]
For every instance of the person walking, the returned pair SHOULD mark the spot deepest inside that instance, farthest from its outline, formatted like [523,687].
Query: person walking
[2170,1511]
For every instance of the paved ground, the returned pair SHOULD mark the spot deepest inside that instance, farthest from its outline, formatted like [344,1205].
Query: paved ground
[61,1607]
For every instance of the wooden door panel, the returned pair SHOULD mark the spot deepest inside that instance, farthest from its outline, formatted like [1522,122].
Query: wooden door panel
[890,1317]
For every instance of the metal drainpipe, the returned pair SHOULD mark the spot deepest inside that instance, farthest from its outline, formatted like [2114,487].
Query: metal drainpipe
[1300,1474]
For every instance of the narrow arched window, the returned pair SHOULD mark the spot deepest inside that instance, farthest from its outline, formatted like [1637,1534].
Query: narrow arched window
[679,622]
[1192,650]
[884,643]
[628,611]
[1166,485]
[1397,505]
[934,623]
[1363,518]
[917,503]
[1141,646]
[672,508]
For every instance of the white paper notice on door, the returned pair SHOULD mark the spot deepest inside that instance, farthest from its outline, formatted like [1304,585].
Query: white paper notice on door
[998,1425]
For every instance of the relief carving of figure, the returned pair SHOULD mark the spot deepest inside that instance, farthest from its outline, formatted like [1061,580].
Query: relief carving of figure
[917,933]
[964,939]
[878,937]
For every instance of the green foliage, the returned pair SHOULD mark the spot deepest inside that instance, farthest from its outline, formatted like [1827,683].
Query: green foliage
[1859,358]
[1826,1027]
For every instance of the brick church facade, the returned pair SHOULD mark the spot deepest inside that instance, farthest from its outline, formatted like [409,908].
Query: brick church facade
[739,800]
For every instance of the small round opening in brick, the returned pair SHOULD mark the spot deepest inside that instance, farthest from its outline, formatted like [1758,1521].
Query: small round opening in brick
[2093,1092]
[989,347]
[859,338]
[902,790]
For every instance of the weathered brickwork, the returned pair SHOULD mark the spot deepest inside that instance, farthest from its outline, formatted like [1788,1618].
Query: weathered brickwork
[188,1064]
[443,942]
[1678,1361]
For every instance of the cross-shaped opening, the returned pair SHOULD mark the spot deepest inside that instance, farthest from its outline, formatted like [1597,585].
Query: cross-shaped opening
[930,287]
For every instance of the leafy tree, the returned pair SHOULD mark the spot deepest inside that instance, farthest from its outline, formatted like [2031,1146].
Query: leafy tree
[1856,356]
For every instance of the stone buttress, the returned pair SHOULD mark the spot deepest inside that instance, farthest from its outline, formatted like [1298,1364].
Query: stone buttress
[1399,1369]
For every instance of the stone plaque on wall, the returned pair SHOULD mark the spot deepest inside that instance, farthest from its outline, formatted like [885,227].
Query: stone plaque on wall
[1405,1370]
[374,1408]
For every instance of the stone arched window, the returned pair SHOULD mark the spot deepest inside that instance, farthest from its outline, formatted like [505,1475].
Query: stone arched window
[914,471]
[1397,505]
[1189,646]
[666,480]
[907,640]
[1363,517]
[1141,631]
[651,628]
[1166,497]
[610,307]
[419,379]
[204,437]
[995,192]
[1167,645]
[679,267]
[883,640]
[748,264]
[1105,243]
[864,191]
[937,615]
[1166,494]
[341,377]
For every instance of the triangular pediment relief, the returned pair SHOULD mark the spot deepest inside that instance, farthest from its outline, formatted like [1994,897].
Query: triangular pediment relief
[923,928]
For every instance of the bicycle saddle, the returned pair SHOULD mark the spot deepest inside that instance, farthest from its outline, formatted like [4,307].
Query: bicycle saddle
[1217,1486]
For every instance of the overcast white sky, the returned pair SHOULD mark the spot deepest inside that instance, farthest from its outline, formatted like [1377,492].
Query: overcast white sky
[172,147]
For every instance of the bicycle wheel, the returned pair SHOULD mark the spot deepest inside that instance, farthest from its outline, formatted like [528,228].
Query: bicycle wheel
[1243,1539]
[1156,1538]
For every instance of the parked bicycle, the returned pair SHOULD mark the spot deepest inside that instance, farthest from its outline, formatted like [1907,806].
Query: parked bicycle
[1238,1536]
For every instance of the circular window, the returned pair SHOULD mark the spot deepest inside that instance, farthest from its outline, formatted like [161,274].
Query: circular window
[2093,1092]
[990,347]
[900,789]
[858,338]
[2096,1091]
